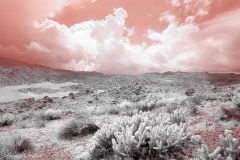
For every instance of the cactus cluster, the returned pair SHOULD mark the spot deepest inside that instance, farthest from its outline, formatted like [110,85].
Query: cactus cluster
[230,148]
[178,116]
[230,145]
[203,149]
[144,136]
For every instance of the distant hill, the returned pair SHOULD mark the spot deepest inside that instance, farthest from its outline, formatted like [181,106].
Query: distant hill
[13,72]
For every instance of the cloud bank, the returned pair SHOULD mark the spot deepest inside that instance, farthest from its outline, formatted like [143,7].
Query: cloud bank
[185,36]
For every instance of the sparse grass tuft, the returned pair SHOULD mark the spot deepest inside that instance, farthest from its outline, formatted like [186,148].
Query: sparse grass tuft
[14,145]
[145,106]
[171,108]
[22,124]
[51,114]
[75,128]
[197,99]
[6,119]
[114,111]
[70,129]
[236,101]
[40,121]
[226,113]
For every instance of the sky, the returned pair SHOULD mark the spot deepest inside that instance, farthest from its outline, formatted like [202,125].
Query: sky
[123,36]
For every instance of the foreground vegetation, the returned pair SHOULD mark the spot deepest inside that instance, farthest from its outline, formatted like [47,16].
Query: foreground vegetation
[147,123]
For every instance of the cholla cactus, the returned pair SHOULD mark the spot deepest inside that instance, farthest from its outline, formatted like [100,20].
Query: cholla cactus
[203,149]
[102,146]
[205,155]
[230,145]
[144,135]
[140,135]
[178,116]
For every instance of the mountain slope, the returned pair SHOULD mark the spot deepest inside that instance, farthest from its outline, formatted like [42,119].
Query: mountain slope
[14,72]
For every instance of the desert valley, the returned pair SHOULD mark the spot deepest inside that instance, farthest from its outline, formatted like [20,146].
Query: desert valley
[58,114]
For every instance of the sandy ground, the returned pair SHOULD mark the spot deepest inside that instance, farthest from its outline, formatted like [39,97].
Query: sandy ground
[13,93]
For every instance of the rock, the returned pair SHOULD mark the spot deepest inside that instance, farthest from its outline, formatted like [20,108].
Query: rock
[90,101]
[190,92]
[84,155]
[20,111]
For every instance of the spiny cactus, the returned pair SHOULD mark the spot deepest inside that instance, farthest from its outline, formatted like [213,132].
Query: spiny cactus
[230,145]
[178,116]
[144,136]
[102,147]
[203,149]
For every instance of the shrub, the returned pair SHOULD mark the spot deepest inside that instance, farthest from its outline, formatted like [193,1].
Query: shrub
[227,113]
[6,119]
[26,115]
[189,92]
[74,128]
[40,120]
[142,136]
[145,106]
[51,114]
[212,96]
[22,124]
[71,129]
[126,104]
[113,111]
[13,145]
[171,108]
[127,107]
[197,99]
[236,101]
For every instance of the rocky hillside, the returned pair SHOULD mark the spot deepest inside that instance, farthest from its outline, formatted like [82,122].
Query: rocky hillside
[14,72]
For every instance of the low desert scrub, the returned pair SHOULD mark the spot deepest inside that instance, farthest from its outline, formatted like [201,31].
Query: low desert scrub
[222,96]
[190,92]
[145,106]
[127,108]
[26,115]
[171,107]
[6,119]
[39,120]
[75,128]
[22,124]
[114,110]
[236,101]
[126,104]
[197,99]
[51,114]
[227,112]
[212,96]
[42,117]
[14,145]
